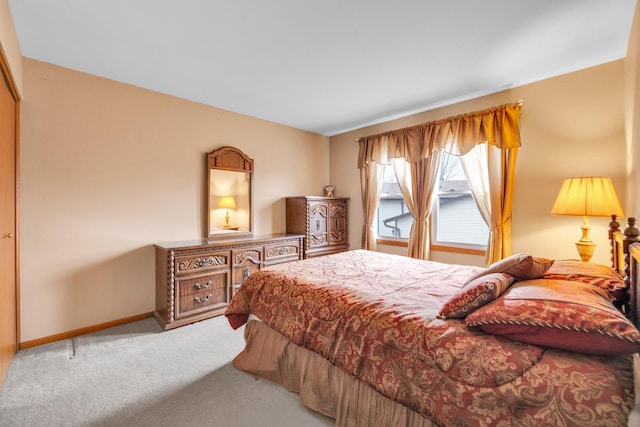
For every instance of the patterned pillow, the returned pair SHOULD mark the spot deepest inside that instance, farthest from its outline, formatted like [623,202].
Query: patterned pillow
[588,272]
[563,314]
[475,294]
[521,266]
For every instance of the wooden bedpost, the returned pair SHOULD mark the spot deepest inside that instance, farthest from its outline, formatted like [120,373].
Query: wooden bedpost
[631,235]
[614,226]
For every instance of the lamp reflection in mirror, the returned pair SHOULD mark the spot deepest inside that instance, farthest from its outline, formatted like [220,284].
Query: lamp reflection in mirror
[227,202]
[585,197]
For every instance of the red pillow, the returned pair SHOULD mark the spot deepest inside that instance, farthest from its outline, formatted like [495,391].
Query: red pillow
[588,272]
[475,294]
[563,314]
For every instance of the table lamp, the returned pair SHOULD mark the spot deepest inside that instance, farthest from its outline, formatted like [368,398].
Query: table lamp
[227,202]
[585,197]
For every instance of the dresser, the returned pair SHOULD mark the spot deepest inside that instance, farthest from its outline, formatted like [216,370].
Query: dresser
[196,280]
[324,222]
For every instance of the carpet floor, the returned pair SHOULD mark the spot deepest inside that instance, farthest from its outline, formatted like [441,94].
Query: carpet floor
[139,375]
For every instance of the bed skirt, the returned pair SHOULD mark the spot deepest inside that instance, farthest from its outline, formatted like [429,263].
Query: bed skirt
[321,386]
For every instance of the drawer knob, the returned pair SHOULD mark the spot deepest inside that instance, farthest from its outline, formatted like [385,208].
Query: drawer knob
[199,300]
[205,286]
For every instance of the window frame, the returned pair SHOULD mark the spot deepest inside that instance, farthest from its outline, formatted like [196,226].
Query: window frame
[434,245]
[450,246]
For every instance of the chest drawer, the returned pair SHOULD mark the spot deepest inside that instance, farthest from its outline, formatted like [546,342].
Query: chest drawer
[202,293]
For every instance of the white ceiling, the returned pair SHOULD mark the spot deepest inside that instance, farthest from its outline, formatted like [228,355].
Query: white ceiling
[326,66]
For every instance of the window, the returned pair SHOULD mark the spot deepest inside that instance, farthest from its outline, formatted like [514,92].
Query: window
[456,218]
[456,221]
[393,218]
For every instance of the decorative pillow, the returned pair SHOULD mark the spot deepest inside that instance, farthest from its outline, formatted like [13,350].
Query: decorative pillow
[475,294]
[567,315]
[521,266]
[598,275]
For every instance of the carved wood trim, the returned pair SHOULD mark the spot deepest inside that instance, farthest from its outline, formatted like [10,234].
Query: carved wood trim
[631,235]
[171,288]
[202,262]
[318,210]
[281,250]
[229,158]
[252,255]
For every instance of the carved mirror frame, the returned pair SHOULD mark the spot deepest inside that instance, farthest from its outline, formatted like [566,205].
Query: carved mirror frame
[229,174]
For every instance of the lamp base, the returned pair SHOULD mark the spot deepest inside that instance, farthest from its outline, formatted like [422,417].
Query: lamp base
[585,245]
[585,249]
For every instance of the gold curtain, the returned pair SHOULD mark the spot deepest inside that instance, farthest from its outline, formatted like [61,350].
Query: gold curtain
[497,126]
[456,135]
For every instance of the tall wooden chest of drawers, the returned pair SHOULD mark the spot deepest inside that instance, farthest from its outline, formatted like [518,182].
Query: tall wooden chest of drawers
[324,221]
[195,280]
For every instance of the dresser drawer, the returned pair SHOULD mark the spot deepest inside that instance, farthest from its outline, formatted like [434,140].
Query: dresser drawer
[282,252]
[245,263]
[251,255]
[190,263]
[202,293]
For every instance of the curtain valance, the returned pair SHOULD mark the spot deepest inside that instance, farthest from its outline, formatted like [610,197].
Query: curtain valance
[456,135]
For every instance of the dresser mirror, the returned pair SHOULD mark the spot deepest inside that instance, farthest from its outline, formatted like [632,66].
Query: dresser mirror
[229,197]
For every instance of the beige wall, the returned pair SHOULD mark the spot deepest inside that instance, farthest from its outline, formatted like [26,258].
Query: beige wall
[108,169]
[571,125]
[632,114]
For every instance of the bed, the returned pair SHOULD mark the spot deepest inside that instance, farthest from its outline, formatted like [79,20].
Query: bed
[372,339]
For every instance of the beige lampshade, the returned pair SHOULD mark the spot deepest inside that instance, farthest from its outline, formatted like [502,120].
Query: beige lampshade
[587,196]
[227,202]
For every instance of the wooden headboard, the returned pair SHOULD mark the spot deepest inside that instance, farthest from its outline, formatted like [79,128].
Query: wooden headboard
[625,259]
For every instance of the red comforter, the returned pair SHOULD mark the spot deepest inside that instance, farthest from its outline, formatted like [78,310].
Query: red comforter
[373,316]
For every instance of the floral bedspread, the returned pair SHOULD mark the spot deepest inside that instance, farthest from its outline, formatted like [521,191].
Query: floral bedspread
[373,315]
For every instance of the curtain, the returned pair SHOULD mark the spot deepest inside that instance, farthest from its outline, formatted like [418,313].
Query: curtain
[457,135]
[370,184]
[497,127]
[418,183]
[490,174]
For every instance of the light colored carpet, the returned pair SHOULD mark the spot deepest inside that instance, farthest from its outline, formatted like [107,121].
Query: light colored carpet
[138,375]
[85,345]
